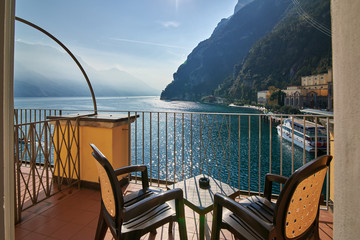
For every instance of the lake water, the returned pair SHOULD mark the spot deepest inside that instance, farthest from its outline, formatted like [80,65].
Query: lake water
[146,103]
[181,144]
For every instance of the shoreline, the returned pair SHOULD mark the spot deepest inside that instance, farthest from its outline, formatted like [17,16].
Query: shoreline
[248,106]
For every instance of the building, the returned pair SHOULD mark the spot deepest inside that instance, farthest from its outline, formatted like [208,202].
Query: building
[261,97]
[319,81]
[315,92]
[293,96]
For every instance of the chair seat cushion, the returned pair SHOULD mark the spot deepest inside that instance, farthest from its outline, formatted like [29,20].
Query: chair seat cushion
[259,206]
[145,221]
[137,196]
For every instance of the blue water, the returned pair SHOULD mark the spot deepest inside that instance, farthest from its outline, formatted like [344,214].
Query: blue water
[146,103]
[215,146]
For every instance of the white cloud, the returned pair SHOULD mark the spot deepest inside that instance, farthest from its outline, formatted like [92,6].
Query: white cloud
[147,43]
[168,24]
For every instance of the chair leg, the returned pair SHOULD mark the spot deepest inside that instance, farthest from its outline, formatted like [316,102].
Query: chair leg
[133,236]
[171,224]
[216,223]
[180,212]
[316,234]
[152,235]
[101,228]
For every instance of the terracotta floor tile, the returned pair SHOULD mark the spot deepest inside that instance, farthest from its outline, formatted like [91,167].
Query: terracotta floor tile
[93,223]
[325,231]
[84,234]
[26,215]
[53,211]
[225,234]
[94,207]
[84,218]
[49,228]
[35,236]
[34,223]
[21,233]
[40,207]
[67,231]
[73,214]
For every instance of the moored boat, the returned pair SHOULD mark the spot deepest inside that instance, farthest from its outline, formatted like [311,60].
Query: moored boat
[295,132]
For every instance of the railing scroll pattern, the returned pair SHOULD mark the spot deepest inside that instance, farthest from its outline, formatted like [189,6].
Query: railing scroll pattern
[46,159]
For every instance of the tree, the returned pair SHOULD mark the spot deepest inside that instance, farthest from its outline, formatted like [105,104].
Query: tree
[275,96]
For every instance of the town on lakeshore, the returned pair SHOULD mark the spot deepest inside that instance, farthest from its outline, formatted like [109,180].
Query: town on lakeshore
[316,92]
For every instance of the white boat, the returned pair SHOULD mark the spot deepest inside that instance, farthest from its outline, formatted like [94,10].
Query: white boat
[298,133]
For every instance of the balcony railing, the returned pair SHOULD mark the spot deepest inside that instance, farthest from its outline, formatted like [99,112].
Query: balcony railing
[39,144]
[238,149]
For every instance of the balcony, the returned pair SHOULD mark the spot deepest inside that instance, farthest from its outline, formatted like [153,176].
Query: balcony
[238,149]
[73,213]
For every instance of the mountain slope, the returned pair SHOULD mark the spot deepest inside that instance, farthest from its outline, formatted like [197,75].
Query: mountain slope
[32,84]
[292,49]
[43,71]
[213,59]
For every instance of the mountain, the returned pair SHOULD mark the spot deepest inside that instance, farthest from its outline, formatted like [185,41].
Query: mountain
[28,83]
[44,71]
[213,59]
[265,43]
[241,4]
[294,48]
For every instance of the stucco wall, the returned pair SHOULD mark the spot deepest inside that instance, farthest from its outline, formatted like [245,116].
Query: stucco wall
[2,222]
[7,12]
[346,70]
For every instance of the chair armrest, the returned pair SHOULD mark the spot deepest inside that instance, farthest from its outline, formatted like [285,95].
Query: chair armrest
[269,178]
[259,225]
[135,168]
[155,200]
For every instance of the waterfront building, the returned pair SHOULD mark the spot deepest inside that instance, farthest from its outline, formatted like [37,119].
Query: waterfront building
[293,96]
[315,92]
[319,81]
[261,97]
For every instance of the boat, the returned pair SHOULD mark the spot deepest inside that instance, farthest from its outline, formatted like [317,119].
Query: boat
[28,142]
[287,132]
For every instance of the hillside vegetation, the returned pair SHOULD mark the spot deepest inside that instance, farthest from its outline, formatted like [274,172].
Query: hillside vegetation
[266,43]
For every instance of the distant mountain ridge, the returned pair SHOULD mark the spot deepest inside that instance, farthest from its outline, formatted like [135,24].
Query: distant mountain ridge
[213,59]
[52,73]
[265,43]
[292,49]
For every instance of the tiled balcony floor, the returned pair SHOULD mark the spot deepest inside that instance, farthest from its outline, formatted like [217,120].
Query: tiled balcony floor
[73,214]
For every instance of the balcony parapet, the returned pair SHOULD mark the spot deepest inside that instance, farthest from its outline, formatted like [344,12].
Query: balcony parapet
[102,120]
[109,132]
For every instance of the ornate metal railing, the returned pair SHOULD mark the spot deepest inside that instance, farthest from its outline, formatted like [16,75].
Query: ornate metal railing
[236,148]
[46,159]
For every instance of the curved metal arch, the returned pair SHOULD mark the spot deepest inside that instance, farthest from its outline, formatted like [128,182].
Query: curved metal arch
[68,51]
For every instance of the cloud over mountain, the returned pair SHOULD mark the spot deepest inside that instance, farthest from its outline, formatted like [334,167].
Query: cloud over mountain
[42,70]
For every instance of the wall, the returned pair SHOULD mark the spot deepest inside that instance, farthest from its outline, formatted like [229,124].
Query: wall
[7,12]
[109,136]
[2,180]
[319,79]
[346,72]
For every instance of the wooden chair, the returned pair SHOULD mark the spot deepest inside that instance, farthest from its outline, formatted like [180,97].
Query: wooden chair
[295,215]
[141,216]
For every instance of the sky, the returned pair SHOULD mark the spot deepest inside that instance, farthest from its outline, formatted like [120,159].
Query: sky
[148,39]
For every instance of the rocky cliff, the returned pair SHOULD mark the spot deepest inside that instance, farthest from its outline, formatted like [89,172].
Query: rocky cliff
[265,43]
[213,59]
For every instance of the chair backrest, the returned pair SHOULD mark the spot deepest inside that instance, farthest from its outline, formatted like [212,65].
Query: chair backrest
[111,194]
[297,207]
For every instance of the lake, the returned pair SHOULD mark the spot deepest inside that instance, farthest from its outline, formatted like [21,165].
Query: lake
[180,141]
